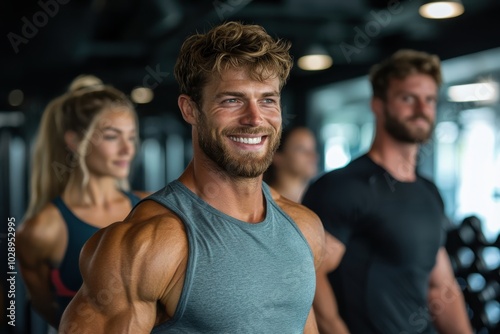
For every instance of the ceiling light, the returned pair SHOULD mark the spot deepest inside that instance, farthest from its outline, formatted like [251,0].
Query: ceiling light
[315,59]
[484,91]
[142,95]
[441,9]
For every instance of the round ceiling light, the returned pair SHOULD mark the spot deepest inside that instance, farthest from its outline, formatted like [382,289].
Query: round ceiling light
[315,62]
[441,9]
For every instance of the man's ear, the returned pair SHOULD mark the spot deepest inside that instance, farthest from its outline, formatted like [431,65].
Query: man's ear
[188,109]
[72,141]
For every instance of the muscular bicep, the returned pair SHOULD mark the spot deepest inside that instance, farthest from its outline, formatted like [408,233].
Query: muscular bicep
[315,234]
[108,307]
[334,251]
[442,273]
[110,299]
[83,315]
[132,273]
[327,248]
[442,279]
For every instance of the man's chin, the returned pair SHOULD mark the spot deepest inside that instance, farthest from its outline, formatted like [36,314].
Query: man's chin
[244,169]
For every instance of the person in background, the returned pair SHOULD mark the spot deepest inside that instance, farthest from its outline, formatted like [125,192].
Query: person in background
[294,164]
[215,251]
[386,223]
[83,151]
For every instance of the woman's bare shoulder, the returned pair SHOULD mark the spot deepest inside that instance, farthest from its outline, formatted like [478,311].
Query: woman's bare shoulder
[42,231]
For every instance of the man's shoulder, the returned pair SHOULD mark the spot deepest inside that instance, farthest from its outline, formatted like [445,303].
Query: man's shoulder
[151,221]
[296,211]
[305,218]
[308,223]
[139,255]
[427,181]
[148,229]
[432,187]
[149,211]
[352,177]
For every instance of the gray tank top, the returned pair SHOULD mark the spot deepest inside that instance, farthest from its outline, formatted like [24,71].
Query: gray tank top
[240,277]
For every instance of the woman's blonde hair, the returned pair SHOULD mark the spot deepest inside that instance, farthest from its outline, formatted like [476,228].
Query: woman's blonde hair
[53,163]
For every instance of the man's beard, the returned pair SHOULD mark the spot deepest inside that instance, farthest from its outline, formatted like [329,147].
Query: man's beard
[403,132]
[244,165]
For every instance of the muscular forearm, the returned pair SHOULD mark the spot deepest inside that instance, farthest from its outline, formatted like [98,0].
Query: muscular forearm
[332,326]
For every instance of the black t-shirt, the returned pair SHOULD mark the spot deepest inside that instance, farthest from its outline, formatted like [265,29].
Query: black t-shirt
[392,231]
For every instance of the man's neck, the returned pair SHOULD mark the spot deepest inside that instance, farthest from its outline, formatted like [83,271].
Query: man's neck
[241,198]
[397,158]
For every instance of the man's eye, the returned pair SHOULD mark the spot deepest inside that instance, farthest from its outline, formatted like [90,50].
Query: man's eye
[408,98]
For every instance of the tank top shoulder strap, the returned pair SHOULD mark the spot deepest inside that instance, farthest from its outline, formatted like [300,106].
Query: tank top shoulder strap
[66,213]
[267,191]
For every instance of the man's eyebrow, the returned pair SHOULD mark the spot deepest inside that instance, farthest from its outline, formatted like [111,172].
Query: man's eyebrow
[241,94]
[229,93]
[273,93]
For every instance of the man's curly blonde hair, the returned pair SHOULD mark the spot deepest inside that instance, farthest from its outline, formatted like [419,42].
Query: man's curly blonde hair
[231,45]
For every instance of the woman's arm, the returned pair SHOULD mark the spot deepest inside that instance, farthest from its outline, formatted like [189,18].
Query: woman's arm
[37,241]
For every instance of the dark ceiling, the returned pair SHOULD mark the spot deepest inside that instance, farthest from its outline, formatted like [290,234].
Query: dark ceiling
[130,43]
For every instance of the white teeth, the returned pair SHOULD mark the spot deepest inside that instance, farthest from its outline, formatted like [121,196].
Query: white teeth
[246,140]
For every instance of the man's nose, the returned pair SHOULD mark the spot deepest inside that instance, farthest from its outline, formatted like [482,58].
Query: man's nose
[252,114]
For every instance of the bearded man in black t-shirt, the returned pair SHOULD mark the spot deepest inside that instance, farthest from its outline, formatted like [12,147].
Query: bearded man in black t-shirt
[386,263]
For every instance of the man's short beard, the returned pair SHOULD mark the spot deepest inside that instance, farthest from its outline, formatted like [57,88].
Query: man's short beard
[243,166]
[399,131]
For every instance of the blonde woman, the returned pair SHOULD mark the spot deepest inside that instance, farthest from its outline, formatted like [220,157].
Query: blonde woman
[85,145]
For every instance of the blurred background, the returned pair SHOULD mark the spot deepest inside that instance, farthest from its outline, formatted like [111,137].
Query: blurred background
[133,46]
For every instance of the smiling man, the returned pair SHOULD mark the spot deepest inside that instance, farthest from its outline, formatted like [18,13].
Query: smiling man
[215,251]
